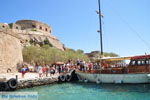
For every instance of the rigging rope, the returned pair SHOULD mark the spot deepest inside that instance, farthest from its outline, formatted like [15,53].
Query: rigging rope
[129,26]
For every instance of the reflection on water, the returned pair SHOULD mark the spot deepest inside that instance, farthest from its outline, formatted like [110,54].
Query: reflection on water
[91,91]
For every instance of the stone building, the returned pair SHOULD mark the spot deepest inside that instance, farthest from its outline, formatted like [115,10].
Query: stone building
[34,25]
[14,35]
[30,25]
[32,29]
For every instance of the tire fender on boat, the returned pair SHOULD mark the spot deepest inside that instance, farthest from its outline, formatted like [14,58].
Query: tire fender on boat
[85,80]
[12,83]
[4,86]
[68,77]
[98,81]
[62,78]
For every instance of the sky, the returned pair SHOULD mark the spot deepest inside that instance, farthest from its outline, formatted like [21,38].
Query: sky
[126,23]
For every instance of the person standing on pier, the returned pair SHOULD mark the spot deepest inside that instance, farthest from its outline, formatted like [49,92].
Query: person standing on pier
[23,71]
[40,70]
[47,69]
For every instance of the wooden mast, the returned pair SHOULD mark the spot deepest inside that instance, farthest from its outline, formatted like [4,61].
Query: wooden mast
[100,33]
[100,30]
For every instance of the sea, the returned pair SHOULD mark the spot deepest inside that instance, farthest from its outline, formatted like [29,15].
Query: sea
[91,91]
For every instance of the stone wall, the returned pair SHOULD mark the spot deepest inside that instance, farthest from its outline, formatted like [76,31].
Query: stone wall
[29,29]
[14,26]
[40,36]
[4,26]
[34,25]
[29,83]
[10,52]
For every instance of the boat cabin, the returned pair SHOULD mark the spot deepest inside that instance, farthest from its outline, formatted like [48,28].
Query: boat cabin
[117,65]
[139,64]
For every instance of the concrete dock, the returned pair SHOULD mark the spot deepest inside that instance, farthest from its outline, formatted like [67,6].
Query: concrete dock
[29,80]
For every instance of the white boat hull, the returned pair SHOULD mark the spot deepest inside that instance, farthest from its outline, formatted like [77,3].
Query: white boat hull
[114,78]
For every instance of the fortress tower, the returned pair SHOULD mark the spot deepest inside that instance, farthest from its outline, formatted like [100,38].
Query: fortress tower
[32,29]
[34,26]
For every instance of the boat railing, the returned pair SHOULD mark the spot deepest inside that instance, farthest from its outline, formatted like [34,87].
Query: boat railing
[119,70]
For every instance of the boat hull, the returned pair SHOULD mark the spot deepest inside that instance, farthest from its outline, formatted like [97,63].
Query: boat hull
[114,78]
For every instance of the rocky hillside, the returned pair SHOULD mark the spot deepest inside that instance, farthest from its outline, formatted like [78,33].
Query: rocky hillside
[12,41]
[27,39]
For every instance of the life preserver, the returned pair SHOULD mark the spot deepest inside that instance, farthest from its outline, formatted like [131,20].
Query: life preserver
[68,77]
[4,86]
[12,83]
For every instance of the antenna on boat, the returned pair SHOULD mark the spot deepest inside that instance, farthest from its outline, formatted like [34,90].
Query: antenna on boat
[100,29]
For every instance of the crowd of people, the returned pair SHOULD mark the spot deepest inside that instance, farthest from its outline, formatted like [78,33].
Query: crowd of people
[51,69]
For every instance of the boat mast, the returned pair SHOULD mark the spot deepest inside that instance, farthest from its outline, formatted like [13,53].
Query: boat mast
[100,30]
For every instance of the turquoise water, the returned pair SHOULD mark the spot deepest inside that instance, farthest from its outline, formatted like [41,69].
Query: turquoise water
[91,91]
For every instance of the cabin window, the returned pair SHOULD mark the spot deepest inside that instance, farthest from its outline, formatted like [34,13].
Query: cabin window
[33,26]
[133,62]
[147,62]
[143,62]
[138,62]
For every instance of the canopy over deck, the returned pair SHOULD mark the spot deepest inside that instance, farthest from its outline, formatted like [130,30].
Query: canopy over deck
[126,58]
[115,58]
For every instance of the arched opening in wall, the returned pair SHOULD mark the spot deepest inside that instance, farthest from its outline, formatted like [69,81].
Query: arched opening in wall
[3,26]
[16,27]
[33,26]
[40,28]
[50,31]
[46,29]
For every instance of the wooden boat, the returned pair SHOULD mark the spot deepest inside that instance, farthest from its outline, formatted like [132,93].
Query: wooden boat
[112,70]
[137,71]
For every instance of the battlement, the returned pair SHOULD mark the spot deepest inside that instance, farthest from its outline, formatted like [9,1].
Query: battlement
[28,25]
[34,25]
[27,29]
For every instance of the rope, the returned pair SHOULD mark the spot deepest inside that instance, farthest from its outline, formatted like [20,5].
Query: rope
[130,27]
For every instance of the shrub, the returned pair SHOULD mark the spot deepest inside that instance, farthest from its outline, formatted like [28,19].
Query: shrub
[49,55]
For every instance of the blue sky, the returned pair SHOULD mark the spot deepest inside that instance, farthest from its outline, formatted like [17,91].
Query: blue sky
[75,22]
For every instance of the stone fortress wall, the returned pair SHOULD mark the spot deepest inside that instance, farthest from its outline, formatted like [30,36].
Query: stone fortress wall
[28,25]
[32,27]
[10,52]
[12,37]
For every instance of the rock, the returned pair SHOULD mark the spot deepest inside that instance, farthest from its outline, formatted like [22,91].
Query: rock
[36,82]
[10,52]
